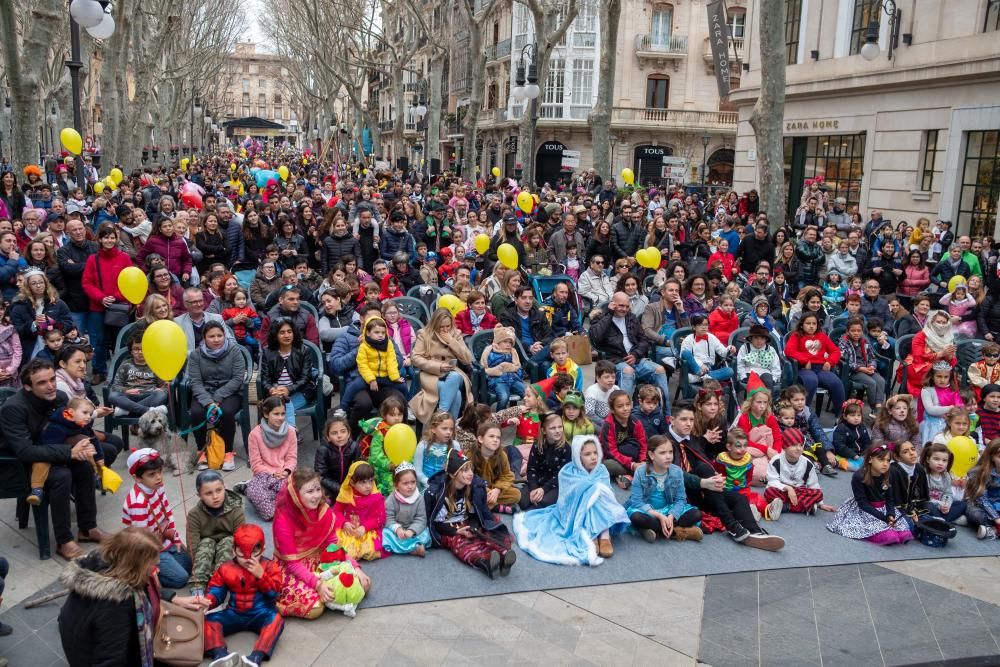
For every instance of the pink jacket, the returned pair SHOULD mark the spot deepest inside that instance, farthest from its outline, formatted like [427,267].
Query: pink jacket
[914,280]
[272,460]
[113,262]
[174,252]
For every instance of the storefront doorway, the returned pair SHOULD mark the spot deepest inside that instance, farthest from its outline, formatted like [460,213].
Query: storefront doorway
[648,164]
[838,158]
[548,162]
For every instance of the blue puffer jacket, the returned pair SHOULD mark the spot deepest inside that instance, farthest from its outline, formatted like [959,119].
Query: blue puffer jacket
[392,242]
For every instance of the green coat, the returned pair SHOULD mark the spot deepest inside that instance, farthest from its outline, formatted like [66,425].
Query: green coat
[202,524]
[376,455]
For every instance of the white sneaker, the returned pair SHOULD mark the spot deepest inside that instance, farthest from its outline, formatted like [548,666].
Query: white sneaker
[755,512]
[121,412]
[986,533]
[231,660]
[774,509]
[961,521]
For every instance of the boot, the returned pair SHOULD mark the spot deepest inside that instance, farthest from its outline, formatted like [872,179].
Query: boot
[490,565]
[693,533]
[604,548]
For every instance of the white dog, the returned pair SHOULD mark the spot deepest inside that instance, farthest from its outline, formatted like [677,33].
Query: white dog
[154,431]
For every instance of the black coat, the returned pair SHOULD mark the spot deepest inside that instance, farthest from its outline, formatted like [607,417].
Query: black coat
[989,315]
[544,466]
[541,332]
[332,464]
[479,514]
[213,249]
[607,338]
[334,248]
[21,422]
[301,370]
[72,259]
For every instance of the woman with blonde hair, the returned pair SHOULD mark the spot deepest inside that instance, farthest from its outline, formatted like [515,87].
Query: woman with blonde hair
[437,351]
[36,309]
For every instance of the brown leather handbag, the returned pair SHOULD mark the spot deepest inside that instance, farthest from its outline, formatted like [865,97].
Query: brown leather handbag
[179,639]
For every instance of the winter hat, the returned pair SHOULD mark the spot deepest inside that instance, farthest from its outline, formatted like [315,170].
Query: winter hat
[754,384]
[141,457]
[573,397]
[758,300]
[456,461]
[758,330]
[989,389]
[247,538]
[503,334]
[544,387]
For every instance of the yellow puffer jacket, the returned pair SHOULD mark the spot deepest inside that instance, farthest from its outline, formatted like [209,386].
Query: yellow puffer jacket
[373,363]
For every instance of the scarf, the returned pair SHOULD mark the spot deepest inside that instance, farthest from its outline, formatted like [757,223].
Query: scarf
[145,626]
[346,494]
[407,500]
[215,354]
[313,528]
[274,438]
[939,336]
[476,320]
[78,388]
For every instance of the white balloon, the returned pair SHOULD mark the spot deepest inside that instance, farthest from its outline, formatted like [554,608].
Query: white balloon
[88,13]
[104,29]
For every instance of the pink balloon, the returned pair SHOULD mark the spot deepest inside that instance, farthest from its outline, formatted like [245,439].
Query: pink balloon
[192,200]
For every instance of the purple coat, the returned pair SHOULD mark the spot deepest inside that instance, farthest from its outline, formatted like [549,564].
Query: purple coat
[174,252]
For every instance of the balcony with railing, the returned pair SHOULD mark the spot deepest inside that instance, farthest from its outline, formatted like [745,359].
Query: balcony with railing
[675,119]
[661,47]
[385,125]
[461,85]
[497,51]
[411,86]
[735,50]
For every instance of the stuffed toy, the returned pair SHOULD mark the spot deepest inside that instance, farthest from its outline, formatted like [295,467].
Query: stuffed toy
[340,577]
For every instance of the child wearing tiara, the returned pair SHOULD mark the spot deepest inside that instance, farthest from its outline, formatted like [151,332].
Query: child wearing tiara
[851,437]
[870,513]
[939,394]
[405,529]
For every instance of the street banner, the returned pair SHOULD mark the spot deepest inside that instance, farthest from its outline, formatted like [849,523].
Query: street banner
[718,37]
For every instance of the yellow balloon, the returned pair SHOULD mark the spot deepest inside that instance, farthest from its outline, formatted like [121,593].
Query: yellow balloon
[116,175]
[283,172]
[955,282]
[133,285]
[400,443]
[185,162]
[628,176]
[641,256]
[71,140]
[507,255]
[482,243]
[452,303]
[98,187]
[165,348]
[525,202]
[110,480]
[649,258]
[495,171]
[110,184]
[232,166]
[966,454]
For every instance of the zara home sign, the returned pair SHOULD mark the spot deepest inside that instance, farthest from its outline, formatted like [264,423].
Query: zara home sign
[814,124]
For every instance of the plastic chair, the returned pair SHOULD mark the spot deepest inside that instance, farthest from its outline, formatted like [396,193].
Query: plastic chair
[684,386]
[903,346]
[20,492]
[967,352]
[124,333]
[408,305]
[111,422]
[317,409]
[305,305]
[184,395]
[743,309]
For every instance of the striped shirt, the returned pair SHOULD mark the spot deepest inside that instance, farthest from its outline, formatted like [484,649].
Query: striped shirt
[148,508]
[989,423]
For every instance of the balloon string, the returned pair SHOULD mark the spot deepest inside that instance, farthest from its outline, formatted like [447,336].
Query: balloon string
[176,448]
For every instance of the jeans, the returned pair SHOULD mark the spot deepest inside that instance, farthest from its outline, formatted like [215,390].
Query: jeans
[137,404]
[175,567]
[956,510]
[451,390]
[541,357]
[812,379]
[694,368]
[71,482]
[294,402]
[645,371]
[95,329]
[504,390]
[365,402]
[874,387]
[357,385]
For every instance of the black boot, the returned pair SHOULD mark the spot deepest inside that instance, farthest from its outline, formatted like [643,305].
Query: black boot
[509,558]
[490,565]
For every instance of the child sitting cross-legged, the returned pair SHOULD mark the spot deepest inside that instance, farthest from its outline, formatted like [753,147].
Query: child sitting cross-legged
[336,455]
[548,456]
[736,465]
[274,453]
[405,529]
[210,527]
[793,479]
[851,438]
[658,505]
[936,459]
[359,514]
[623,440]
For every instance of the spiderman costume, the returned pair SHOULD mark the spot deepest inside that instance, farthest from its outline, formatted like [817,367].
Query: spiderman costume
[252,600]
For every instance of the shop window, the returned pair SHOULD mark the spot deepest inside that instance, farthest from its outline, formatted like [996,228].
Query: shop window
[793,17]
[928,165]
[977,209]
[838,158]
[657,91]
[865,12]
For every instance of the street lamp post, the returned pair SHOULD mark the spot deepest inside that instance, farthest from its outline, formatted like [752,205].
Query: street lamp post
[195,110]
[419,111]
[705,140]
[95,17]
[526,88]
[870,49]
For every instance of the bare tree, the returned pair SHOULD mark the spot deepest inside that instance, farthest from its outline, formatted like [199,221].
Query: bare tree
[600,116]
[768,112]
[477,70]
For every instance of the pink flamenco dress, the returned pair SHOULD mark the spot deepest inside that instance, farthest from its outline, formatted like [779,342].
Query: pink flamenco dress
[365,511]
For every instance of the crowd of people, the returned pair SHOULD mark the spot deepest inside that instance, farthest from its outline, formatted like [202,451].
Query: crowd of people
[750,321]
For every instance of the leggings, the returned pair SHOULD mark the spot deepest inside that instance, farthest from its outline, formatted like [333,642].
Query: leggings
[643,521]
[813,379]
[550,498]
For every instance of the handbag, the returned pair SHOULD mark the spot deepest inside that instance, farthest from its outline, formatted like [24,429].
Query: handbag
[215,449]
[116,315]
[179,638]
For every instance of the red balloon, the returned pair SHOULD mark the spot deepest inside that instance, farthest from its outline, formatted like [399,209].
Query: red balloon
[192,200]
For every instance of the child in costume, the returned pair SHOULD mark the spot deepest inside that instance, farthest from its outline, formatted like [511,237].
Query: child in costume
[391,412]
[658,505]
[76,423]
[503,367]
[528,425]
[561,363]
[623,440]
[757,356]
[274,453]
[936,459]
[210,527]
[432,450]
[405,529]
[577,529]
[461,521]
[490,463]
[870,514]
[938,395]
[252,584]
[548,456]
[989,412]
[851,437]
[793,479]
[757,421]
[737,465]
[575,422]
[986,370]
[244,331]
[360,514]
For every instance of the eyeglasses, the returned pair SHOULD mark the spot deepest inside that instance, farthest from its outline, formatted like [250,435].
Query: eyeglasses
[599,262]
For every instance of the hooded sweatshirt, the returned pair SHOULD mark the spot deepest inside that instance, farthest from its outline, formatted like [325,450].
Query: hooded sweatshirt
[375,360]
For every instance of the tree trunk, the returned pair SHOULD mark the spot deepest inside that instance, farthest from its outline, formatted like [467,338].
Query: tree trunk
[600,117]
[433,148]
[769,111]
[477,71]
[400,106]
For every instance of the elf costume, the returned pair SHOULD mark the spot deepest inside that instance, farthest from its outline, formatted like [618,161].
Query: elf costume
[529,425]
[762,433]
[373,448]
[738,473]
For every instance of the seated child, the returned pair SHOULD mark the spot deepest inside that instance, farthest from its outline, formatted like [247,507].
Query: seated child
[851,438]
[534,406]
[572,262]
[971,402]
[957,423]
[658,506]
[649,413]
[490,463]
[793,479]
[880,341]
[577,529]
[391,412]
[429,271]
[274,453]
[405,529]
[575,422]
[252,584]
[435,443]
[502,365]
[982,492]
[870,514]
[909,482]
[73,424]
[210,527]
[962,307]
[359,514]
[146,506]
[986,370]
[723,321]
[761,428]
[462,522]
[53,339]
[596,396]
[562,383]
[243,320]
[335,456]
[936,459]
[377,363]
[737,465]
[817,440]
[757,356]
[760,314]
[623,440]
[548,455]
[561,363]
[834,289]
[135,388]
[859,359]
[896,422]
[938,395]
[989,412]
[702,353]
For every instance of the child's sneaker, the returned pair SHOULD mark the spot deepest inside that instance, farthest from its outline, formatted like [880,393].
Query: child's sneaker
[623,481]
[229,463]
[755,512]
[202,462]
[812,510]
[231,660]
[505,509]
[829,470]
[986,533]
[773,510]
[35,497]
[649,534]
[961,521]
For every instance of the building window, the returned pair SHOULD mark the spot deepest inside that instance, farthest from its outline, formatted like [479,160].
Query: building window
[555,89]
[491,96]
[977,209]
[522,25]
[932,150]
[583,81]
[992,16]
[585,25]
[246,68]
[865,12]
[262,83]
[737,23]
[793,16]
[246,110]
[246,85]
[662,26]
[838,158]
[254,68]
[657,91]
[277,98]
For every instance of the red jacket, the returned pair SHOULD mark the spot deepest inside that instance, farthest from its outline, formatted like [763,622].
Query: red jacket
[627,444]
[728,268]
[722,325]
[463,321]
[743,424]
[112,263]
[795,348]
[174,252]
